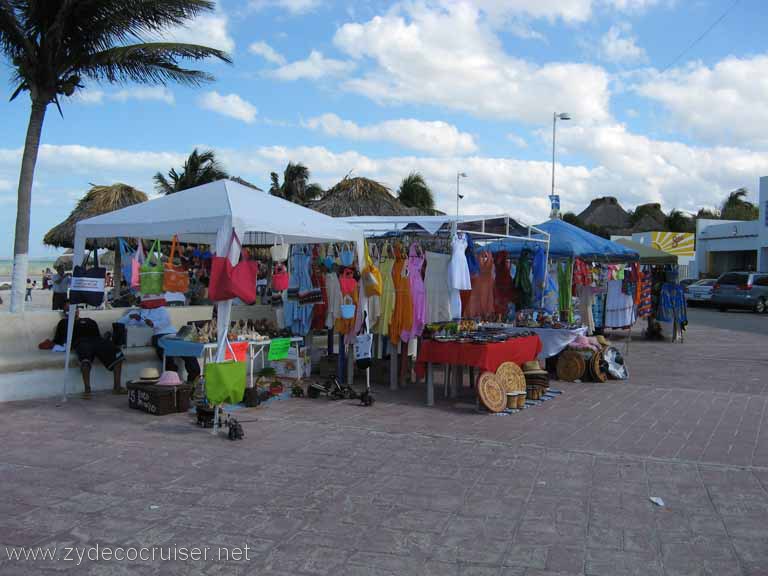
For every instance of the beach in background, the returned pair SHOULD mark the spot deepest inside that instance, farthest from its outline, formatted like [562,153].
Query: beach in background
[36,268]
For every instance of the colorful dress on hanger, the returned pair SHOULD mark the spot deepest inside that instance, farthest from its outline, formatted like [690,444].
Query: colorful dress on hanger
[387,299]
[523,279]
[402,316]
[481,300]
[459,273]
[320,310]
[418,292]
[297,316]
[503,288]
[645,307]
[437,287]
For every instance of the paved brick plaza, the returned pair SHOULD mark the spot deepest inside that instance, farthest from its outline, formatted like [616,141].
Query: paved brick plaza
[332,488]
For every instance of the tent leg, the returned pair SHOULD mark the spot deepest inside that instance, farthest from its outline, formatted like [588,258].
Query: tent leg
[430,384]
[340,360]
[393,350]
[350,366]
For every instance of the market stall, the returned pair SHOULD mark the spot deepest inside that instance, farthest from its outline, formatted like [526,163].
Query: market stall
[437,269]
[221,214]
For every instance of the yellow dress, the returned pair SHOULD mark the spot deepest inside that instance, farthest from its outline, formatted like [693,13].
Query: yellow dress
[387,298]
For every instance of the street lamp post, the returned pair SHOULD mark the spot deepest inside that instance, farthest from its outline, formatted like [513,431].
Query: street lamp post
[555,118]
[458,195]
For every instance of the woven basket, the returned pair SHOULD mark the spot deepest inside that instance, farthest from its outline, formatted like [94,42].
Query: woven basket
[511,376]
[570,366]
[491,392]
[595,368]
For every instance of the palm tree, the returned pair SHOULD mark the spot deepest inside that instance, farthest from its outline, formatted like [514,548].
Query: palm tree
[295,187]
[199,168]
[415,193]
[736,208]
[679,222]
[52,45]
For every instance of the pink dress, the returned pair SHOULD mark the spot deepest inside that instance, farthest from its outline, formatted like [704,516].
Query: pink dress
[418,292]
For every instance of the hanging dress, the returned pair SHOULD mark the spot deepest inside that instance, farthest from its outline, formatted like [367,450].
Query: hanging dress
[402,316]
[333,294]
[459,273]
[619,307]
[387,299]
[481,300]
[523,279]
[437,287]
[418,292]
[503,287]
[297,316]
[320,310]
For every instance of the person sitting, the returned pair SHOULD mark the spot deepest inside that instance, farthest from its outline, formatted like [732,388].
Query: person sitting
[28,295]
[160,321]
[88,344]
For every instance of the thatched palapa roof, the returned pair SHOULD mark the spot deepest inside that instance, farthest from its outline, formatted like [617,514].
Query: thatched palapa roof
[98,200]
[605,212]
[361,197]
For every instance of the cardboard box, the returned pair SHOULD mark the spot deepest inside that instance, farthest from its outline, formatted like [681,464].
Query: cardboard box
[287,368]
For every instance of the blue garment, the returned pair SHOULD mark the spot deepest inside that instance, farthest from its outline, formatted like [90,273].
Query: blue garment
[672,304]
[177,347]
[598,310]
[539,273]
[297,316]
[472,263]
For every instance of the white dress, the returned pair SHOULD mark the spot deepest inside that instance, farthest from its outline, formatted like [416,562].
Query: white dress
[459,273]
[333,293]
[619,307]
[437,287]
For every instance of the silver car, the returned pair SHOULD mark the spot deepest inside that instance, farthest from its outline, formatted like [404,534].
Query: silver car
[699,292]
[741,290]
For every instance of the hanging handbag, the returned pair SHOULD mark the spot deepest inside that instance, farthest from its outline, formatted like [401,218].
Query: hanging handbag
[175,278]
[363,346]
[151,271]
[348,308]
[225,381]
[371,276]
[238,281]
[280,279]
[126,260]
[347,281]
[347,255]
[88,283]
[279,252]
[136,262]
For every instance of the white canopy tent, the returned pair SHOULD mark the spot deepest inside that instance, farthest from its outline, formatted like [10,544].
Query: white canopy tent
[208,214]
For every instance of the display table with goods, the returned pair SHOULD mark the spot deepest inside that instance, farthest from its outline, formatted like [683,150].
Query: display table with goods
[467,344]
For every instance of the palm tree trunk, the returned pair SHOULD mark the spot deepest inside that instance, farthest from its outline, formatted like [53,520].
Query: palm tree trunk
[21,239]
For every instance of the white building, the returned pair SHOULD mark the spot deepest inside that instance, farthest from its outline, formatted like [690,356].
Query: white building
[724,245]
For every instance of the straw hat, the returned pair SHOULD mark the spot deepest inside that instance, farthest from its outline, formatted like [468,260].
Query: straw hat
[149,375]
[533,367]
[169,378]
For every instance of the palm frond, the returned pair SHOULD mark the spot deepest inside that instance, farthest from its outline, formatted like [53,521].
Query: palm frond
[148,63]
[13,41]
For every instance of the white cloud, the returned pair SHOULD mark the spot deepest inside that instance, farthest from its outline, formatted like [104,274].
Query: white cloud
[5,185]
[207,29]
[727,102]
[438,138]
[566,10]
[267,52]
[314,67]
[517,140]
[619,45]
[450,57]
[230,105]
[292,6]
[159,93]
[88,96]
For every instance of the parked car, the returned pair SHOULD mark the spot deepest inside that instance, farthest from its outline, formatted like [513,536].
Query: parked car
[699,292]
[741,290]
[687,282]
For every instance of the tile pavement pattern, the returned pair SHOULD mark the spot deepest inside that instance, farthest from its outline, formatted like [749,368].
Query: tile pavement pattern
[322,488]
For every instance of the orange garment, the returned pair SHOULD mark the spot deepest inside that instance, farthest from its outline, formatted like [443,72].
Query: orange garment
[402,317]
[481,304]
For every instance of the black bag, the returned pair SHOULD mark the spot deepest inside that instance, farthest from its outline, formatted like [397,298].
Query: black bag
[88,283]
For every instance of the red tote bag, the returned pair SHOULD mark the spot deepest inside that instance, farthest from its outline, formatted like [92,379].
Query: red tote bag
[228,281]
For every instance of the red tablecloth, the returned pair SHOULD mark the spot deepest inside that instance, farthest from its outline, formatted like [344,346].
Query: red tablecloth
[487,357]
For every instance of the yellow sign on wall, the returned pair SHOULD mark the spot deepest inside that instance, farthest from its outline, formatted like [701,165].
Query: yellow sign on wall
[677,243]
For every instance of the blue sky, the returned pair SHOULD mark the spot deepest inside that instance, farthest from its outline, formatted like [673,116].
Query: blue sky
[380,88]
